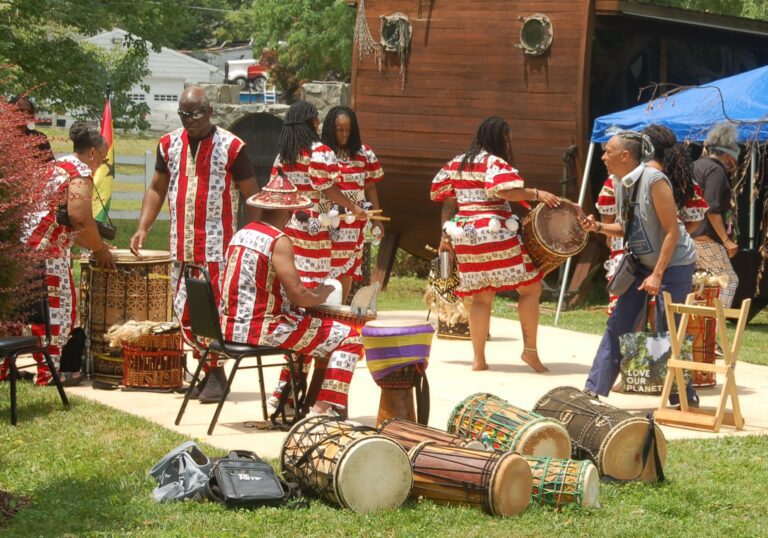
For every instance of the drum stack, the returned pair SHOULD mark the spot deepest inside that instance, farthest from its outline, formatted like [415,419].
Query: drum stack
[139,289]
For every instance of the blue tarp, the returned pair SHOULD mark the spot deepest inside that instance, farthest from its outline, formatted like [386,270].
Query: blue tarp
[692,112]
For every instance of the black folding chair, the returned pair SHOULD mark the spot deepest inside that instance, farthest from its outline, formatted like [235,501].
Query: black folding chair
[205,324]
[13,346]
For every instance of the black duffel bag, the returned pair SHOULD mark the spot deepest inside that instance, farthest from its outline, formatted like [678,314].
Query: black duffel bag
[243,480]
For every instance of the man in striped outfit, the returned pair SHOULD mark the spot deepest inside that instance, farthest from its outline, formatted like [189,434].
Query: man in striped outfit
[261,291]
[200,168]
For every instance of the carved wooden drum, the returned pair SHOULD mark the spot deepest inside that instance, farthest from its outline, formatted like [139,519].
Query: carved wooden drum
[408,434]
[553,234]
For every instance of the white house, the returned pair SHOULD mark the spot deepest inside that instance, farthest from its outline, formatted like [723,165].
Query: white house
[168,71]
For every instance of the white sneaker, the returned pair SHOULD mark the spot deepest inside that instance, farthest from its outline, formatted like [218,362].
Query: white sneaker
[272,404]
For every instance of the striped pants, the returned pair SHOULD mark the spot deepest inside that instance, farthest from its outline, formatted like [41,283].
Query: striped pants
[62,302]
[714,258]
[326,341]
[180,305]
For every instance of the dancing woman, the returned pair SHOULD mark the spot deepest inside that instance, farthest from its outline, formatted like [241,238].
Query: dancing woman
[481,235]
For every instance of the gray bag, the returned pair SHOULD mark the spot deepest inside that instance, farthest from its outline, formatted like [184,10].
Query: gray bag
[181,474]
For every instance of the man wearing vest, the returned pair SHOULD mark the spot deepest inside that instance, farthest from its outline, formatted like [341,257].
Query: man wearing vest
[200,168]
[261,291]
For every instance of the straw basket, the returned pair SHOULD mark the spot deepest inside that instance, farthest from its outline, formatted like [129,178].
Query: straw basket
[154,361]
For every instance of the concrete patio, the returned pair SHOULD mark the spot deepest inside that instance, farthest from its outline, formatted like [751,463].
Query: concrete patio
[568,354]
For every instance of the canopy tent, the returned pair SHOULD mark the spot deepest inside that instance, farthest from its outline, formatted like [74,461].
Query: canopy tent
[741,99]
[690,113]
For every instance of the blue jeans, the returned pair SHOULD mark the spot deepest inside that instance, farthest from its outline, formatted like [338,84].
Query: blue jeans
[605,368]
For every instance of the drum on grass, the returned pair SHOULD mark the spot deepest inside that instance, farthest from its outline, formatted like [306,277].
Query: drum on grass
[346,464]
[409,434]
[397,354]
[138,289]
[558,482]
[499,425]
[497,482]
[704,333]
[553,234]
[342,314]
[610,437]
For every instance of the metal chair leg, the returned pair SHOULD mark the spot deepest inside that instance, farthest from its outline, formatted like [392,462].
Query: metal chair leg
[56,379]
[224,396]
[192,384]
[14,373]
[262,388]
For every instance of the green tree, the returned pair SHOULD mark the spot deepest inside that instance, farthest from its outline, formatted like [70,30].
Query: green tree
[313,38]
[43,43]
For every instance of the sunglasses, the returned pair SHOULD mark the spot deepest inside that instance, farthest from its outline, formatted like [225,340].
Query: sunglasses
[194,115]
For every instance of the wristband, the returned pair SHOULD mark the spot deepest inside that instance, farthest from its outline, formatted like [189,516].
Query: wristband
[535,195]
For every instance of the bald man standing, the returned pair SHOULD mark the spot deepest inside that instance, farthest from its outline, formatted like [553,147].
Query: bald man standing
[200,168]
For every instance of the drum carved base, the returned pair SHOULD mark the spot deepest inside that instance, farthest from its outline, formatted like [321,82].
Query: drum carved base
[396,403]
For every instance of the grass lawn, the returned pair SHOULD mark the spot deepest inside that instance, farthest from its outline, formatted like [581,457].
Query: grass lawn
[85,471]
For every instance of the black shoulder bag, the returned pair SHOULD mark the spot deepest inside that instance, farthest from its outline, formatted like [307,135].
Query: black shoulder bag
[106,231]
[629,267]
[243,480]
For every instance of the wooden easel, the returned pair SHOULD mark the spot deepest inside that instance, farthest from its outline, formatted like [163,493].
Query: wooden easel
[702,419]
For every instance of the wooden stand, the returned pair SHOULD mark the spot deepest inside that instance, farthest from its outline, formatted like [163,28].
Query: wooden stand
[700,419]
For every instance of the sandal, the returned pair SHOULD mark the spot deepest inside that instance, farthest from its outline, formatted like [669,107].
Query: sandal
[68,379]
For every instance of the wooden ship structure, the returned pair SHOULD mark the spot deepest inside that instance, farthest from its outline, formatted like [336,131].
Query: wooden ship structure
[427,72]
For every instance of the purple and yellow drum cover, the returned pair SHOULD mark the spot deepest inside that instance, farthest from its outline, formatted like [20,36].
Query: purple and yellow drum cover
[391,346]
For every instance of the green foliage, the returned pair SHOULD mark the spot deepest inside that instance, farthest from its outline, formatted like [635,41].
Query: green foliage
[752,9]
[313,37]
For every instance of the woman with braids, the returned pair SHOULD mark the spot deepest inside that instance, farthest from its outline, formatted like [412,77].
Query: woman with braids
[647,208]
[72,178]
[674,160]
[313,168]
[360,171]
[481,234]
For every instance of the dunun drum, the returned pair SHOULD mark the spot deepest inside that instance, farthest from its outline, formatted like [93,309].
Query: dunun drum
[497,482]
[346,464]
[610,437]
[703,331]
[409,434]
[500,425]
[342,314]
[397,354]
[553,234]
[559,482]
[139,289]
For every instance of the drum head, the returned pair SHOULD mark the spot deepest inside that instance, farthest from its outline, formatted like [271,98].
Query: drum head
[558,229]
[374,474]
[124,255]
[511,486]
[621,454]
[545,439]
[591,484]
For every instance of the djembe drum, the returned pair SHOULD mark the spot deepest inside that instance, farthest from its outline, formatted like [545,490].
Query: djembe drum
[497,482]
[346,464]
[608,436]
[553,234]
[138,289]
[342,314]
[559,482]
[397,354]
[499,425]
[704,330]
[409,434]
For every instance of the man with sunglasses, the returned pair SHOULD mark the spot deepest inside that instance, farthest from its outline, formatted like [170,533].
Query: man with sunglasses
[202,169]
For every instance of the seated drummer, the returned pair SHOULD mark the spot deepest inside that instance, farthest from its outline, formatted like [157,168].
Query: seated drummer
[261,291]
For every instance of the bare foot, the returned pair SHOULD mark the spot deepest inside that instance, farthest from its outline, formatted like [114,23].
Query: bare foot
[479,365]
[531,358]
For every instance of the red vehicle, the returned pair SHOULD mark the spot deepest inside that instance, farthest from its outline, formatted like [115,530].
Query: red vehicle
[248,74]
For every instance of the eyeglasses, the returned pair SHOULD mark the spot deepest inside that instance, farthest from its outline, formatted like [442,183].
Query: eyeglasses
[194,115]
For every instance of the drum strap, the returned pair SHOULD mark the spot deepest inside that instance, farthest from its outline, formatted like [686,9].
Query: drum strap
[422,399]
[649,445]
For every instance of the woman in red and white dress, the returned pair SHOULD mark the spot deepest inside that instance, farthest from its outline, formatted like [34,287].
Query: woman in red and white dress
[360,172]
[312,167]
[481,233]
[72,178]
[606,206]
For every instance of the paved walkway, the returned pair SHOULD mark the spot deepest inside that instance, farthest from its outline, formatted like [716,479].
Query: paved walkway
[568,354]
